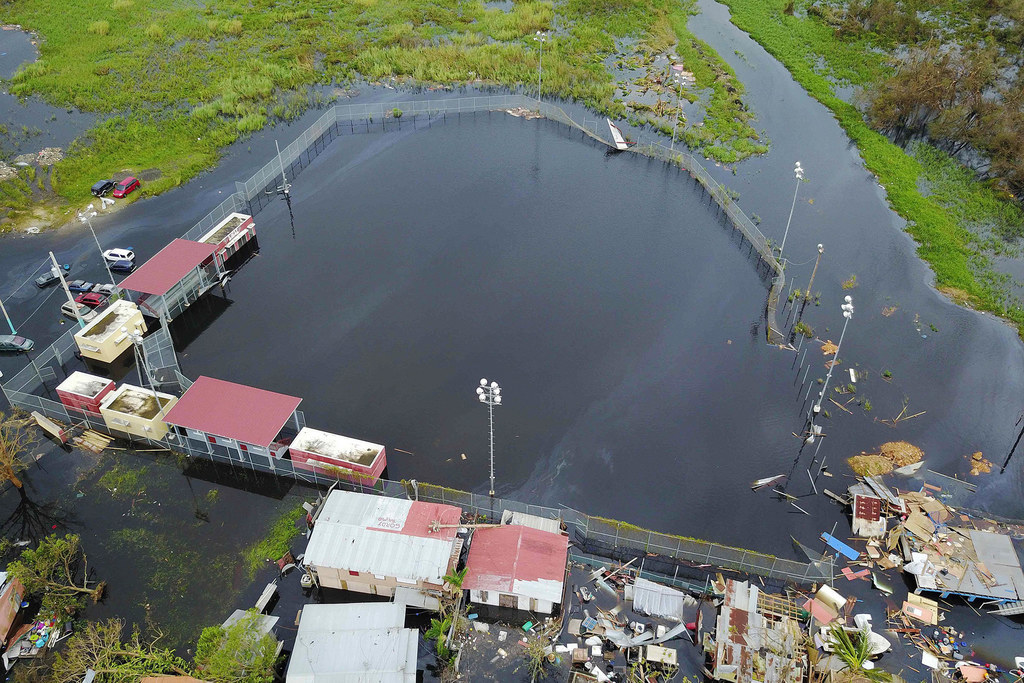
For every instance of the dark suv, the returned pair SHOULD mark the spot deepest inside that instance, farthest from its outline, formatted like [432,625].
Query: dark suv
[102,187]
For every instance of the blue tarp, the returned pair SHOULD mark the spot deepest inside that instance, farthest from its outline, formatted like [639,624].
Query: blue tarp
[839,546]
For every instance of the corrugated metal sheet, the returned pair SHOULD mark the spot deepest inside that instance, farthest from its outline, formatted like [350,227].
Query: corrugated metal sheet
[382,536]
[533,521]
[656,600]
[353,643]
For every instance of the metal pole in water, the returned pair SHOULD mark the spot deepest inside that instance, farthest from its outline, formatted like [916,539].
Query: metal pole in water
[807,372]
[799,172]
[821,250]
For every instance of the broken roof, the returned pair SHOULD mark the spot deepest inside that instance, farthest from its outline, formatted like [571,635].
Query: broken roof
[168,266]
[517,560]
[384,536]
[977,563]
[233,411]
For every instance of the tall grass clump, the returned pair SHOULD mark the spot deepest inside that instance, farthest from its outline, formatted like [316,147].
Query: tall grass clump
[154,31]
[100,28]
[121,4]
[232,27]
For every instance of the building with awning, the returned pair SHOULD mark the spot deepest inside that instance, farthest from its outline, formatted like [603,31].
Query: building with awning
[234,420]
[516,566]
[378,545]
[174,278]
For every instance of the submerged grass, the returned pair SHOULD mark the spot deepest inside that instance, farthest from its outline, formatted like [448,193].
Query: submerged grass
[819,61]
[276,542]
[180,80]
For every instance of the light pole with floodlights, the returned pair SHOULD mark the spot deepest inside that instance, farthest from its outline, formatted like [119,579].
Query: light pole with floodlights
[847,314]
[541,37]
[86,218]
[490,393]
[799,173]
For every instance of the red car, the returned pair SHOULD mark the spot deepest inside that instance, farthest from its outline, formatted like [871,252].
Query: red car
[91,299]
[126,186]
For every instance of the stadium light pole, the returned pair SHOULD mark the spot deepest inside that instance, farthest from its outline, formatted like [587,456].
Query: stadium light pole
[490,393]
[86,217]
[541,37]
[799,173]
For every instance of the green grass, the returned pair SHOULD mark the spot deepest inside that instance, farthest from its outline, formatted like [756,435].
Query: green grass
[818,61]
[177,81]
[276,542]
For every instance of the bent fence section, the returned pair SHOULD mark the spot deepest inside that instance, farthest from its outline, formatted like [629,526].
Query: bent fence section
[253,194]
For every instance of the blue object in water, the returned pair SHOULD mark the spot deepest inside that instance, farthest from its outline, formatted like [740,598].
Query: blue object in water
[471,616]
[839,546]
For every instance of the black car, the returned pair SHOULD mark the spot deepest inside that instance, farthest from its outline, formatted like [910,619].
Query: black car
[102,187]
[50,277]
[122,266]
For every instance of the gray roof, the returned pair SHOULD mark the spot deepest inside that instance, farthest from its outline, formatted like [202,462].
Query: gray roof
[353,643]
[264,623]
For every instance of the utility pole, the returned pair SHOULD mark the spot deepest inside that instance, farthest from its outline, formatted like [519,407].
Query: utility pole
[821,250]
[86,217]
[285,188]
[1014,448]
[541,38]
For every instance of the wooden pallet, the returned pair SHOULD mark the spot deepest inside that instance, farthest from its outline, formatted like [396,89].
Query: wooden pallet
[92,441]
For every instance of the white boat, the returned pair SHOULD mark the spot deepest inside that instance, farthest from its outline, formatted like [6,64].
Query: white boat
[617,137]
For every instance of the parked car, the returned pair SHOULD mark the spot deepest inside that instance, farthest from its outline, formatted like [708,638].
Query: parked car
[102,187]
[10,342]
[81,286]
[91,299]
[84,312]
[119,254]
[50,277]
[105,290]
[126,186]
[122,266]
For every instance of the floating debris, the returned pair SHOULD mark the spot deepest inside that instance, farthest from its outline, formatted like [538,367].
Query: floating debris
[979,465]
[524,113]
[829,348]
[891,455]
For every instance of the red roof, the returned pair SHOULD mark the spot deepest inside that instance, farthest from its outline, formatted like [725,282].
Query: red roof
[233,411]
[166,269]
[500,558]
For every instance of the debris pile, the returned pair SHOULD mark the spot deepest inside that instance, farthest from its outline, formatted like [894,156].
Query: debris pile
[524,113]
[892,455]
[48,156]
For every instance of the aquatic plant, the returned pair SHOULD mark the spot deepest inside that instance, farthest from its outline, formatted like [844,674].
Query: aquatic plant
[276,542]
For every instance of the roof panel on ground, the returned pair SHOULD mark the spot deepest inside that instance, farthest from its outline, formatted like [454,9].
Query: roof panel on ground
[233,411]
[168,266]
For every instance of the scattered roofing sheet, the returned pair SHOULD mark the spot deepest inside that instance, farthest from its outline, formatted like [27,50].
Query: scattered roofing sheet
[233,411]
[977,563]
[656,600]
[517,560]
[353,643]
[383,536]
[168,266]
[534,521]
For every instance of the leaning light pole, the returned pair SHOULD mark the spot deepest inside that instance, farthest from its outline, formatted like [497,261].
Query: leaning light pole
[541,37]
[799,173]
[491,395]
[86,217]
[677,78]
[847,314]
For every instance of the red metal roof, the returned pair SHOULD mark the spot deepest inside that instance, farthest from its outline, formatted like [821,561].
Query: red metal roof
[168,266]
[501,557]
[233,411]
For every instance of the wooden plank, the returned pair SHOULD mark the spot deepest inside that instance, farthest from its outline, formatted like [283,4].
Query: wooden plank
[50,427]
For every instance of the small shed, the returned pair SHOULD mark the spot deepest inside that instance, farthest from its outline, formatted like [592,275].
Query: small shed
[516,566]
[137,411]
[353,642]
[242,422]
[106,337]
[373,544]
[229,236]
[338,456]
[84,392]
[173,278]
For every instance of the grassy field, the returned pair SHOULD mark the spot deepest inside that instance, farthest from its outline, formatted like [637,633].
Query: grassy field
[939,219]
[178,80]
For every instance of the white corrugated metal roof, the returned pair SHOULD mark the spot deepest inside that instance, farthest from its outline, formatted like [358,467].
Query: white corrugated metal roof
[533,521]
[657,600]
[383,536]
[353,643]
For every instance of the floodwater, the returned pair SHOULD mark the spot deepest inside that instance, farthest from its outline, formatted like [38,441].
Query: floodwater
[621,316]
[32,124]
